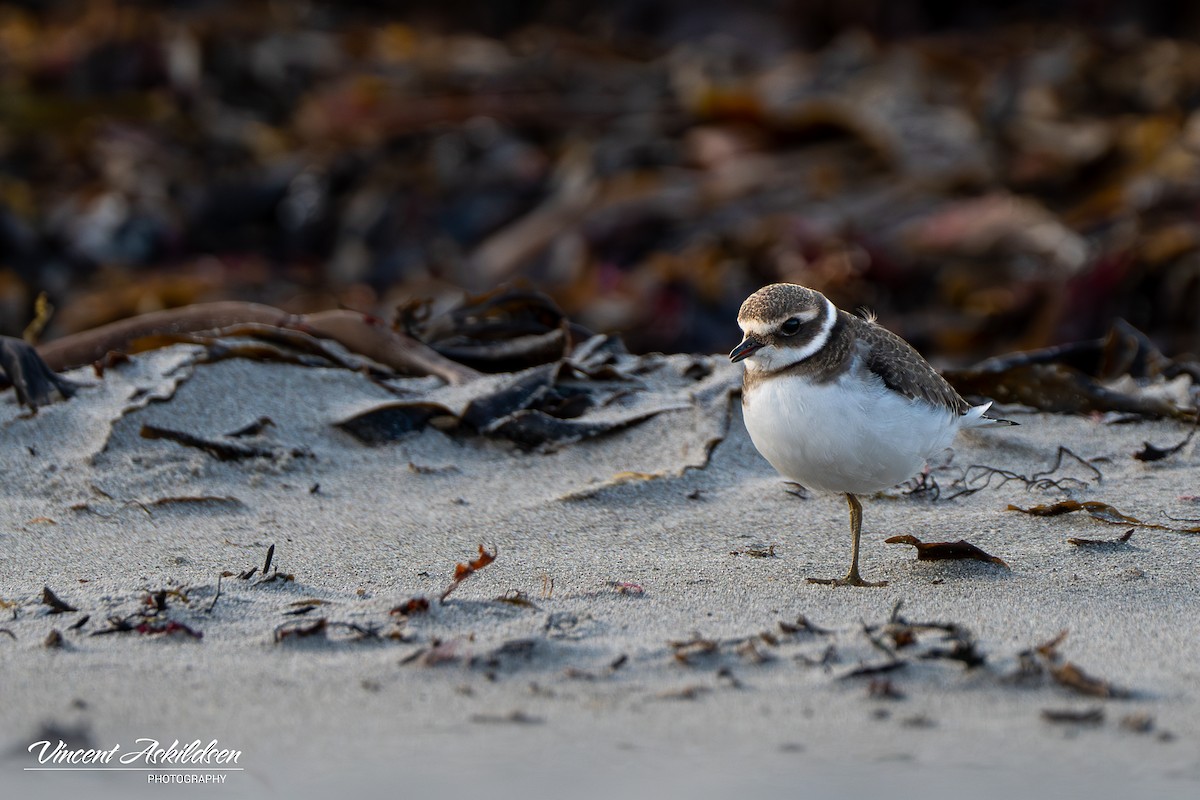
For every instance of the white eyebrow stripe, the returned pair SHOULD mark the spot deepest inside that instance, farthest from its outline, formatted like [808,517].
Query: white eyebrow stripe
[754,327]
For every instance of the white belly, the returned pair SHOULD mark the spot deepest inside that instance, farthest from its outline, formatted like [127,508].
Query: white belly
[841,438]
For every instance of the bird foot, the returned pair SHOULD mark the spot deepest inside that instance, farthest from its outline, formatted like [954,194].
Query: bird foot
[850,580]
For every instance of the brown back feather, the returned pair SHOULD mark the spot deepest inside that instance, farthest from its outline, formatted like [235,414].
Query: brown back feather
[902,368]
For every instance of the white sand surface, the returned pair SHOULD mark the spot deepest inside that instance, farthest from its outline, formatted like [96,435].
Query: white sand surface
[581,692]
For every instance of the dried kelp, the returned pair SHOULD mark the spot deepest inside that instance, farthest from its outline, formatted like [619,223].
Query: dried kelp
[506,330]
[321,628]
[35,383]
[802,625]
[148,625]
[689,651]
[267,574]
[549,405]
[1045,659]
[253,428]
[1120,541]
[1087,377]
[301,630]
[980,207]
[57,605]
[222,448]
[870,670]
[1151,453]
[1087,716]
[977,477]
[414,605]
[940,551]
[898,635]
[1099,511]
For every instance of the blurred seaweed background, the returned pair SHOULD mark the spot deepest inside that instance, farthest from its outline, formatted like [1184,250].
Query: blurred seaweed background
[985,179]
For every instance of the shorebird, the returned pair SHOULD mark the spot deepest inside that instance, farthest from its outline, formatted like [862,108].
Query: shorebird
[837,403]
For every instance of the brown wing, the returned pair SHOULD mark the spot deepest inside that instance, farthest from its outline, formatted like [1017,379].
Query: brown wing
[902,368]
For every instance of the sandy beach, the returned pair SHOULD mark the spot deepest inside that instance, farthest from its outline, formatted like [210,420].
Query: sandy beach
[644,628]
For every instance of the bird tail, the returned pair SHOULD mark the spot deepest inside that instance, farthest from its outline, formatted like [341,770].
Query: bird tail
[976,417]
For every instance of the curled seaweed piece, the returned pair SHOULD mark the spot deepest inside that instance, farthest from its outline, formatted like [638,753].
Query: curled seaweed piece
[1120,541]
[1099,511]
[942,551]
[1151,453]
[542,406]
[35,383]
[57,605]
[505,330]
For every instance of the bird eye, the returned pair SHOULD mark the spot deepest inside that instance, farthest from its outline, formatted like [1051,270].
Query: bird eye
[790,328]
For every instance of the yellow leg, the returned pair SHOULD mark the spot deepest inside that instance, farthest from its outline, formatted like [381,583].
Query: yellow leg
[852,577]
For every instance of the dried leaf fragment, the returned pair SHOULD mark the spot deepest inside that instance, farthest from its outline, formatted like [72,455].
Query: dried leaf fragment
[940,551]
[1046,658]
[413,605]
[464,571]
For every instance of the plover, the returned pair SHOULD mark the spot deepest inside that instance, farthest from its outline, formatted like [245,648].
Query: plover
[837,403]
